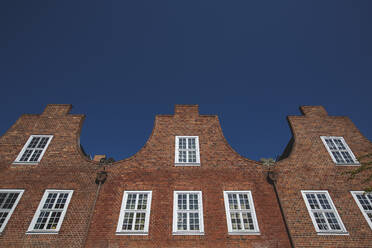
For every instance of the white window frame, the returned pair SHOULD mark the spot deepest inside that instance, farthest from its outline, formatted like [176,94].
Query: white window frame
[355,161]
[200,212]
[10,212]
[18,159]
[333,209]
[176,156]
[256,230]
[119,230]
[364,212]
[31,229]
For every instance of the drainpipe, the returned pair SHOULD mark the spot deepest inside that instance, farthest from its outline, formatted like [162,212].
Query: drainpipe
[271,178]
[100,179]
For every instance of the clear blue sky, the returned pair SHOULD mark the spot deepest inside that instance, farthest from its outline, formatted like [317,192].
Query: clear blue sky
[251,62]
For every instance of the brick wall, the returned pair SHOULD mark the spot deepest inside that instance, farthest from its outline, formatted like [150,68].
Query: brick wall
[310,167]
[152,168]
[63,166]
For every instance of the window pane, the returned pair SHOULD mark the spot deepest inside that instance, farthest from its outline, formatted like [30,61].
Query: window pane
[142,201]
[191,144]
[3,216]
[49,202]
[33,142]
[364,202]
[330,144]
[182,201]
[181,221]
[248,221]
[244,203]
[323,201]
[9,202]
[312,201]
[320,220]
[140,221]
[339,144]
[235,221]
[53,220]
[193,201]
[194,221]
[43,142]
[182,143]
[131,201]
[338,157]
[332,221]
[347,157]
[233,201]
[128,221]
[43,217]
[35,156]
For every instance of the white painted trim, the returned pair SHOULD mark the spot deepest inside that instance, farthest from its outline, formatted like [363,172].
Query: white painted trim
[200,211]
[31,229]
[119,230]
[334,210]
[256,230]
[356,163]
[10,212]
[176,152]
[17,161]
[354,193]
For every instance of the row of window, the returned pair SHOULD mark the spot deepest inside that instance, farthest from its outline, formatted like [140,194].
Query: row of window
[186,150]
[187,211]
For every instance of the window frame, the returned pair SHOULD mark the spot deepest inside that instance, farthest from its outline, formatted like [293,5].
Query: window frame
[20,154]
[197,150]
[145,231]
[10,212]
[200,212]
[256,230]
[355,161]
[31,229]
[343,230]
[354,194]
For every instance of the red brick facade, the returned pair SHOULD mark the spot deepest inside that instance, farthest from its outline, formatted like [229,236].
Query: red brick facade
[310,167]
[92,222]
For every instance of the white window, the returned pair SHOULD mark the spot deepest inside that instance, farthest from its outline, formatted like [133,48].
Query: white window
[339,150]
[187,151]
[9,199]
[134,213]
[240,213]
[323,213]
[51,211]
[188,213]
[364,202]
[34,149]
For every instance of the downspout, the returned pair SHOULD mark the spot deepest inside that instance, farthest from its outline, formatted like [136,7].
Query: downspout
[271,178]
[100,179]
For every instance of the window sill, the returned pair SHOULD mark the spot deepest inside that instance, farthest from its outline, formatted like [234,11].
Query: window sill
[41,232]
[132,233]
[187,164]
[244,233]
[188,233]
[333,233]
[25,163]
[346,164]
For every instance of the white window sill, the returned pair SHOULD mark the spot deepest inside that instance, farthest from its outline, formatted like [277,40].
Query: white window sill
[333,233]
[244,233]
[188,233]
[42,232]
[26,163]
[346,164]
[187,164]
[132,233]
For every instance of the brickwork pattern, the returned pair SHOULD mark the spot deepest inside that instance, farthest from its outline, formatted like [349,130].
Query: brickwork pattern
[152,168]
[310,167]
[62,167]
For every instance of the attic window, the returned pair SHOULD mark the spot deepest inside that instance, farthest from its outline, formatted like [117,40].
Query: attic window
[187,151]
[34,149]
[339,151]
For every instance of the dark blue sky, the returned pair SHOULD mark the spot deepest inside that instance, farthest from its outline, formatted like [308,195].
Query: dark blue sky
[251,62]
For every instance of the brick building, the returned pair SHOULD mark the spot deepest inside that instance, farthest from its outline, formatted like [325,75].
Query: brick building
[185,188]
